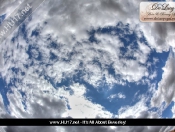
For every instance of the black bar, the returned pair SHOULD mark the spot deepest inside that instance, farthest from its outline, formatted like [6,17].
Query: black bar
[87,122]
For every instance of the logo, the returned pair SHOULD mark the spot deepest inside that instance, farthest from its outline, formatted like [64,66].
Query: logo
[157,11]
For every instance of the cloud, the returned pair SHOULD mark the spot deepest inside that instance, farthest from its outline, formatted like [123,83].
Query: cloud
[90,128]
[119,95]
[1,60]
[166,86]
[139,110]
[161,37]
[32,128]
[40,104]
[7,7]
[3,112]
[123,128]
[173,111]
[80,106]
[61,15]
[2,108]
[37,105]
[63,33]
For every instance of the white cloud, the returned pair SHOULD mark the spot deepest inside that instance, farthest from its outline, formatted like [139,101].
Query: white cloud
[166,86]
[153,75]
[119,95]
[67,23]
[139,110]
[173,111]
[1,60]
[2,108]
[43,101]
[80,106]
[67,31]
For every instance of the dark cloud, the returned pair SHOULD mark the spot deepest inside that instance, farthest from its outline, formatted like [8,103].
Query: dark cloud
[112,5]
[160,32]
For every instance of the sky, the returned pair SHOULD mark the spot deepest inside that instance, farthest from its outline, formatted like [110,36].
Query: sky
[87,59]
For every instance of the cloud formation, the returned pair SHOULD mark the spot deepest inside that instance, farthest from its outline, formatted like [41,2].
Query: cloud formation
[53,46]
[165,92]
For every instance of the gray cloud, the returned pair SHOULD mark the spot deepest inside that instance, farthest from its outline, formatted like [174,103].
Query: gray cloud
[113,5]
[166,86]
[7,6]
[30,129]
[91,129]
[38,105]
[160,31]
